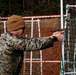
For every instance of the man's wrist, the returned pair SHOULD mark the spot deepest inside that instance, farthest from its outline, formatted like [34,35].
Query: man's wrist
[54,38]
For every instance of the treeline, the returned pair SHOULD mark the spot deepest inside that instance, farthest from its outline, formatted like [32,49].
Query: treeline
[31,7]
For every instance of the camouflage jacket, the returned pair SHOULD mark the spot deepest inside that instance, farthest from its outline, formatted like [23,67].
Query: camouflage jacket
[12,47]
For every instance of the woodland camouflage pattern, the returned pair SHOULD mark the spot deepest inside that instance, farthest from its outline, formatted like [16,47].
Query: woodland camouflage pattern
[11,51]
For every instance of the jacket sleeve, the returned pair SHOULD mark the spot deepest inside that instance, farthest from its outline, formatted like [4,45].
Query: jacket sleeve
[39,43]
[28,44]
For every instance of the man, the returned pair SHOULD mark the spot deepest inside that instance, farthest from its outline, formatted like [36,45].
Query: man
[12,45]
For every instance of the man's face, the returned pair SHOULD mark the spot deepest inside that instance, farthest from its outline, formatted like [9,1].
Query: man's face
[20,31]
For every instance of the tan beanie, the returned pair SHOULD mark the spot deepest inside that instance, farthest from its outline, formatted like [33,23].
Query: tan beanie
[15,22]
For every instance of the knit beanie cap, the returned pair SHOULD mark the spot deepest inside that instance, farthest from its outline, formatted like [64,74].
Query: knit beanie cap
[14,22]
